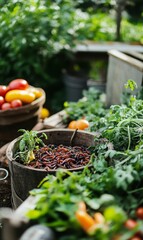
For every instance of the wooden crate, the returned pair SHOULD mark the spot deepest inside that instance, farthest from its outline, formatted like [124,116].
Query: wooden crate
[55,121]
[122,67]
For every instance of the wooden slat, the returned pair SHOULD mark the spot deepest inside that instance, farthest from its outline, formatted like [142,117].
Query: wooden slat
[28,204]
[55,121]
[89,46]
[127,59]
[121,68]
[137,55]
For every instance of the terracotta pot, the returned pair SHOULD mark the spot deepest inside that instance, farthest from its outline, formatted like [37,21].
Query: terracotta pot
[24,178]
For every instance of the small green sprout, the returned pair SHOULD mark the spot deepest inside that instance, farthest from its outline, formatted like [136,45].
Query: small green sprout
[131,84]
[27,143]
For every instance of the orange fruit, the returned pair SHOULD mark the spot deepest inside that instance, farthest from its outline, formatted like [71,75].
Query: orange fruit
[72,125]
[82,124]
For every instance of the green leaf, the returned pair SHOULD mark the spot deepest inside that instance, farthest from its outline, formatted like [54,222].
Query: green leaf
[131,84]
[124,177]
[115,213]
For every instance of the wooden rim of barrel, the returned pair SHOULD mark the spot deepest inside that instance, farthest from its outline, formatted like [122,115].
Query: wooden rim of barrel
[64,133]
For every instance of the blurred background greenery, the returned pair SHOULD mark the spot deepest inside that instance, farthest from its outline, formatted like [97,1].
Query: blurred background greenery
[37,37]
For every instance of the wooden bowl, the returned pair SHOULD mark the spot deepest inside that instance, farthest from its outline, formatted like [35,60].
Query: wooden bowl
[24,113]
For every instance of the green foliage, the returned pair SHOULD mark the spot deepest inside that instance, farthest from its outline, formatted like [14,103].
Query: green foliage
[33,35]
[26,145]
[102,27]
[37,27]
[90,105]
[132,31]
[131,84]
[122,125]
[58,197]
[111,186]
[98,70]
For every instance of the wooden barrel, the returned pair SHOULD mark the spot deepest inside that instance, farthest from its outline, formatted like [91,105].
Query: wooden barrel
[25,117]
[24,178]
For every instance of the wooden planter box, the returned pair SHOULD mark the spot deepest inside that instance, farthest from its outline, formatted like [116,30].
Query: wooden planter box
[122,67]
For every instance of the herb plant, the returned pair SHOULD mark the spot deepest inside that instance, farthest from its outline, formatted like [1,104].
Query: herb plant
[92,104]
[26,145]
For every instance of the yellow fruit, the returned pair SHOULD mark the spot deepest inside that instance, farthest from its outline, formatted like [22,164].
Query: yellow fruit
[44,113]
[36,91]
[23,95]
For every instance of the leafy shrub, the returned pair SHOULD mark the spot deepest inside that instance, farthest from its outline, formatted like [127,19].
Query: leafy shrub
[102,27]
[32,35]
[37,36]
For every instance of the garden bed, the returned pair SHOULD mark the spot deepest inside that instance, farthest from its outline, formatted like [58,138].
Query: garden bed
[111,188]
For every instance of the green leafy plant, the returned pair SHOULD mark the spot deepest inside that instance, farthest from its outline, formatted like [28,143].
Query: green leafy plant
[131,84]
[111,186]
[92,104]
[26,145]
[34,51]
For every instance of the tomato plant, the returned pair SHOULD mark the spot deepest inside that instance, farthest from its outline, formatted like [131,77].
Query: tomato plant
[21,84]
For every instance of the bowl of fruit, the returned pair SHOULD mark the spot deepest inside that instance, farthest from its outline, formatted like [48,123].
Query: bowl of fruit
[19,102]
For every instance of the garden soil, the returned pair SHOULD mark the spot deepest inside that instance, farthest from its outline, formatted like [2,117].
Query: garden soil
[5,185]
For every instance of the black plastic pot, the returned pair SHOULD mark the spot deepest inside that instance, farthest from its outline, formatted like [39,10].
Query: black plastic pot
[74,86]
